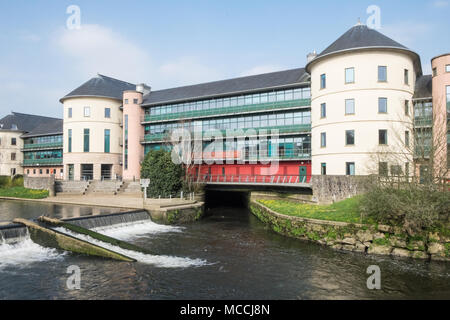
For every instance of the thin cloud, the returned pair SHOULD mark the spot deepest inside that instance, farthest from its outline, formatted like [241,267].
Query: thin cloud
[261,69]
[407,33]
[440,4]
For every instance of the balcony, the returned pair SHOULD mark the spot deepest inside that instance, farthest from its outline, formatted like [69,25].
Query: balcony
[42,162]
[291,129]
[214,112]
[39,146]
[423,122]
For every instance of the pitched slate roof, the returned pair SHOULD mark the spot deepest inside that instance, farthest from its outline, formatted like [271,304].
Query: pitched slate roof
[424,86]
[363,37]
[27,122]
[101,86]
[54,126]
[228,87]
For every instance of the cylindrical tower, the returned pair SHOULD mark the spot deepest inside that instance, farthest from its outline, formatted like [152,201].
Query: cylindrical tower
[441,110]
[361,92]
[92,130]
[133,132]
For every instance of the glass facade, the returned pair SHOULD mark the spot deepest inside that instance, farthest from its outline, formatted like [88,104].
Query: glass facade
[70,140]
[51,157]
[236,104]
[423,113]
[43,142]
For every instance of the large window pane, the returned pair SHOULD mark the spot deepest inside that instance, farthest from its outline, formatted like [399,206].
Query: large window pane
[382,73]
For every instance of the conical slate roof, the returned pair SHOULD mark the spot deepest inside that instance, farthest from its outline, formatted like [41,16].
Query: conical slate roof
[101,86]
[362,37]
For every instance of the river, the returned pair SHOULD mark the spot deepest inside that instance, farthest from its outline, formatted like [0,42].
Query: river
[227,255]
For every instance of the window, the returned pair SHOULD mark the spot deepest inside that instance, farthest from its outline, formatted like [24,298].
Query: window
[323,139]
[28,171]
[383,169]
[86,140]
[323,110]
[47,171]
[135,101]
[350,168]
[406,108]
[350,75]
[396,170]
[382,73]
[350,106]
[350,137]
[107,112]
[407,138]
[107,140]
[447,68]
[13,156]
[434,72]
[69,111]
[70,140]
[87,111]
[406,76]
[40,171]
[34,171]
[323,169]
[126,101]
[13,141]
[382,137]
[323,81]
[382,105]
[13,171]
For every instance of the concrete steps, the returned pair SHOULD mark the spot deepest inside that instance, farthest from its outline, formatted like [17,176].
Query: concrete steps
[105,187]
[131,188]
[72,187]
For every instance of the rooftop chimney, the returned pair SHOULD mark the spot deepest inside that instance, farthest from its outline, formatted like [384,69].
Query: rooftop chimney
[311,56]
[143,88]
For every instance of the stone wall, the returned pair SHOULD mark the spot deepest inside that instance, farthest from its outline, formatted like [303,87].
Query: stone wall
[329,189]
[40,183]
[370,239]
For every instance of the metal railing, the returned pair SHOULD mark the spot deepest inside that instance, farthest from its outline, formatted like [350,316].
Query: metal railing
[42,162]
[252,179]
[55,145]
[296,128]
[227,110]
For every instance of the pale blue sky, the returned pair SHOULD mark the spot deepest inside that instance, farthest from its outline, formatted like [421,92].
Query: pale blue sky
[173,43]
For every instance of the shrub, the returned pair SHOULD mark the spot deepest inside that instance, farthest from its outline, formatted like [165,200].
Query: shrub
[17,181]
[166,177]
[5,181]
[414,209]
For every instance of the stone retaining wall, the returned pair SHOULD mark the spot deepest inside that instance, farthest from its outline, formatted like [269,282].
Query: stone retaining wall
[329,189]
[381,239]
[40,183]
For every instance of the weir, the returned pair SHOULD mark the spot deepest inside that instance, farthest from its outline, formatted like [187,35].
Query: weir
[107,220]
[12,233]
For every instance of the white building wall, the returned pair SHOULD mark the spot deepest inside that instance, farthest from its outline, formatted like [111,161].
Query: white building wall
[366,121]
[96,123]
[6,149]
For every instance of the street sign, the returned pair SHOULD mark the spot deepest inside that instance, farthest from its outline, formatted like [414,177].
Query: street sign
[145,183]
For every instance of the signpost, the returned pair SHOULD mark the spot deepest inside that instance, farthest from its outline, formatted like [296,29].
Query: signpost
[144,184]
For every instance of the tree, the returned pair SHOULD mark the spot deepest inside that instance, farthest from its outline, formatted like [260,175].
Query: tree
[166,177]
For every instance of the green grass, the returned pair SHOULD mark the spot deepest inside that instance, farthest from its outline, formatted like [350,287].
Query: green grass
[21,192]
[343,211]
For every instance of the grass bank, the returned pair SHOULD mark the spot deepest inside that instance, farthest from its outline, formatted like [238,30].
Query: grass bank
[343,211]
[21,192]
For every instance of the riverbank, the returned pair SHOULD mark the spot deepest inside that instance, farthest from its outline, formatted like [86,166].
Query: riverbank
[23,193]
[167,211]
[356,237]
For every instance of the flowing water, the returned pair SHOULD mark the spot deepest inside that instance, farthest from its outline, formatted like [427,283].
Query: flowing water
[227,255]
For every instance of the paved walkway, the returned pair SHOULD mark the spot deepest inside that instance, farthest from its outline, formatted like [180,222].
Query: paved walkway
[113,201]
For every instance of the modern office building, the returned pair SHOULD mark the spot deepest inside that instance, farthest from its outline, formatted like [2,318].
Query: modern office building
[362,106]
[31,145]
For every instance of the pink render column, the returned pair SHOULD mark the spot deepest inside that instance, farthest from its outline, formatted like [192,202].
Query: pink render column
[441,80]
[133,132]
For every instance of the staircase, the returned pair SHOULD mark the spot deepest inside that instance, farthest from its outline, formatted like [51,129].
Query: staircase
[132,188]
[105,187]
[72,187]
